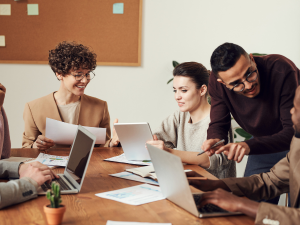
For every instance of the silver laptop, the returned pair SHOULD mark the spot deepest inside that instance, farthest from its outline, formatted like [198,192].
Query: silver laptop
[133,137]
[72,178]
[174,185]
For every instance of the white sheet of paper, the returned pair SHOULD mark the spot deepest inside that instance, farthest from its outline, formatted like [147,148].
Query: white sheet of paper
[51,160]
[130,176]
[109,222]
[122,159]
[136,195]
[64,133]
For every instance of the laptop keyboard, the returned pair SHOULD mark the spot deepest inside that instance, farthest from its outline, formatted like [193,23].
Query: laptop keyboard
[62,183]
[209,208]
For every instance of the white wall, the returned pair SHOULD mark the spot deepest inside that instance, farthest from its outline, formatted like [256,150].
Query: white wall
[172,30]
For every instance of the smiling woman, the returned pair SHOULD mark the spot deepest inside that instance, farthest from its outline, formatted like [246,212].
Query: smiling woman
[73,65]
[183,132]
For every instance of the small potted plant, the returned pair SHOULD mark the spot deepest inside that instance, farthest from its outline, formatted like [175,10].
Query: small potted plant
[55,211]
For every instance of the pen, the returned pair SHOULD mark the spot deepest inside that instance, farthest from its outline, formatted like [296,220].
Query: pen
[215,145]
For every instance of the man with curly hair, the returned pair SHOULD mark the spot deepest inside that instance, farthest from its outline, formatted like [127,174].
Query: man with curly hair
[73,65]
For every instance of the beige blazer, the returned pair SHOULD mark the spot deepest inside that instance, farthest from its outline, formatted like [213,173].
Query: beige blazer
[284,177]
[93,113]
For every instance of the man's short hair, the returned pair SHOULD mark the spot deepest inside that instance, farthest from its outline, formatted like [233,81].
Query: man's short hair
[225,56]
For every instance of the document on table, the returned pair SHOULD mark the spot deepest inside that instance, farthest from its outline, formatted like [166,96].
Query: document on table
[109,222]
[122,159]
[130,176]
[64,133]
[136,195]
[51,160]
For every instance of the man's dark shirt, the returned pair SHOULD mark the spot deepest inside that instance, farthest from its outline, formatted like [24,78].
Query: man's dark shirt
[267,116]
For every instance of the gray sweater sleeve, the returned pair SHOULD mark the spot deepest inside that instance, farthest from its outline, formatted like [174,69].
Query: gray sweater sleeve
[167,131]
[14,191]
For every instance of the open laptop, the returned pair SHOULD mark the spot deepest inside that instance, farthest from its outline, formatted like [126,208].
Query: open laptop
[72,178]
[133,137]
[174,185]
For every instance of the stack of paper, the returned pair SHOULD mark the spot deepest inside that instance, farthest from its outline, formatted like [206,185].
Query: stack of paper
[146,171]
[130,176]
[122,159]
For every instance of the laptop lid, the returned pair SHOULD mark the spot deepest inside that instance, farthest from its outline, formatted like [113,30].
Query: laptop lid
[172,179]
[79,157]
[133,137]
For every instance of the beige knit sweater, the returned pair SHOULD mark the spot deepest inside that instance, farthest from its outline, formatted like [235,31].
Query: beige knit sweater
[179,133]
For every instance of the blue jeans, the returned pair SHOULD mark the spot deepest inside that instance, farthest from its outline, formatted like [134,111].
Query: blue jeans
[263,163]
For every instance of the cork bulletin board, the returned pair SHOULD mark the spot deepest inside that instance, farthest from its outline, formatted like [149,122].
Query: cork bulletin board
[112,29]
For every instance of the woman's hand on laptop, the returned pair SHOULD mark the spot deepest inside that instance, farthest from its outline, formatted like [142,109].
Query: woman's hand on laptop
[115,139]
[42,143]
[158,144]
[229,202]
[37,171]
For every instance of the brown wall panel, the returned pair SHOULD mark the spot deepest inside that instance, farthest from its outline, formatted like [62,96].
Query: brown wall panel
[115,38]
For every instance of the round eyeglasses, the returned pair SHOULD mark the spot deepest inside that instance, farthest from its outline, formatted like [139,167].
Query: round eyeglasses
[80,76]
[251,77]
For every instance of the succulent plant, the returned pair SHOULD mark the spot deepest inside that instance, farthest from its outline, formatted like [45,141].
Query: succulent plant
[53,195]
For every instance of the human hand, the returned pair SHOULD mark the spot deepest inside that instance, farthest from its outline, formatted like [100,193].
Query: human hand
[23,167]
[206,146]
[37,171]
[235,151]
[115,139]
[42,143]
[229,202]
[157,143]
[221,198]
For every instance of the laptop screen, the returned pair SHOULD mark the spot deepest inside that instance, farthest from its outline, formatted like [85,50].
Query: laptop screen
[79,156]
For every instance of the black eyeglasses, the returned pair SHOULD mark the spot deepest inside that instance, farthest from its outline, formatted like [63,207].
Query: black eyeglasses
[80,76]
[251,77]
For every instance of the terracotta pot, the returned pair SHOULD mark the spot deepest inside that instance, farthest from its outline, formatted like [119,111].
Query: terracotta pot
[54,215]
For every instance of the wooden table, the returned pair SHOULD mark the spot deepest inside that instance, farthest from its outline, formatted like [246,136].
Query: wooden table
[86,208]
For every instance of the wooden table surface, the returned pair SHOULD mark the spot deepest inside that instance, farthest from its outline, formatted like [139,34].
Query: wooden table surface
[86,208]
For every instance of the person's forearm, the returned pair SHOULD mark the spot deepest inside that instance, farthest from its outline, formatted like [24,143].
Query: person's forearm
[215,184]
[248,207]
[12,192]
[207,185]
[191,157]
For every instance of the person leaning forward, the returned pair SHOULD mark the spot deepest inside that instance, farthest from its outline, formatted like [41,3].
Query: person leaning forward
[283,177]
[258,92]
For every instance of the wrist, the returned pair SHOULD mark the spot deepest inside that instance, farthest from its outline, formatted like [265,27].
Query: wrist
[170,150]
[248,207]
[220,184]
[19,168]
